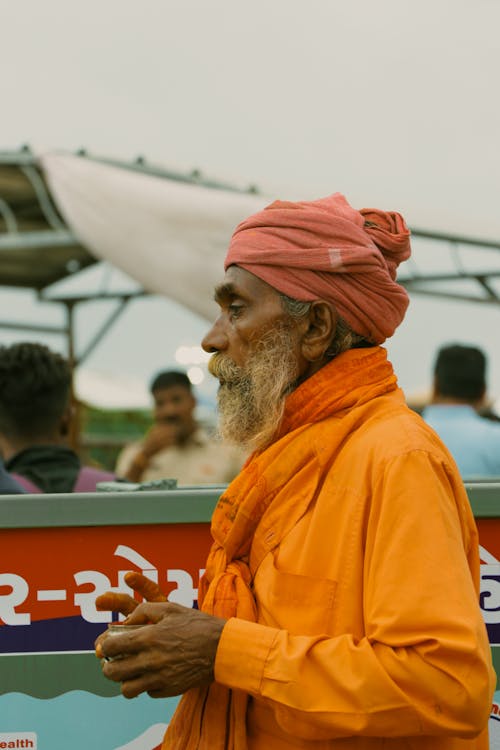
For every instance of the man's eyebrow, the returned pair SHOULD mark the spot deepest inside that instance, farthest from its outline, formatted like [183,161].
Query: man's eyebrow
[225,292]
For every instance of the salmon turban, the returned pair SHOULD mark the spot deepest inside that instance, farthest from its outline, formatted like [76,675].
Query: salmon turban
[325,249]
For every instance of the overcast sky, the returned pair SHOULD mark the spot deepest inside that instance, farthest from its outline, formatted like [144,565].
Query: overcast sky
[393,103]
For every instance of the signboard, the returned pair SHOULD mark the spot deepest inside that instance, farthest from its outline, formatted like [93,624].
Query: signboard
[51,686]
[489,536]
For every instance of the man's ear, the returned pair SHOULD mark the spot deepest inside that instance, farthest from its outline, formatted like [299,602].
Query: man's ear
[481,401]
[321,327]
[4,447]
[435,388]
[66,420]
[193,404]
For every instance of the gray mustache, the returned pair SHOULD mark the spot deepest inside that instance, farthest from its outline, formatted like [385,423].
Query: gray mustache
[224,368]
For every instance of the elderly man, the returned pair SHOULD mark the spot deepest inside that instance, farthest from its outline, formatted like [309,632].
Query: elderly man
[340,599]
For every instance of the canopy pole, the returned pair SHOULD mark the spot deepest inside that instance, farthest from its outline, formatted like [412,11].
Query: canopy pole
[70,332]
[75,423]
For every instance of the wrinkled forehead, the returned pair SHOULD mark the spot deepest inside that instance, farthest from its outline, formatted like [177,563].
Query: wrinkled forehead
[238,282]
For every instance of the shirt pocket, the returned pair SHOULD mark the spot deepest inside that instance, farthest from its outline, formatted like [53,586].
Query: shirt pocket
[300,604]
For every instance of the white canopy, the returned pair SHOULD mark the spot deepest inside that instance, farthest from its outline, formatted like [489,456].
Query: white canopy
[169,236]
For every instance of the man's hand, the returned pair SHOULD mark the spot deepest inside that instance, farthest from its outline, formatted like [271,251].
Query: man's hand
[161,435]
[173,652]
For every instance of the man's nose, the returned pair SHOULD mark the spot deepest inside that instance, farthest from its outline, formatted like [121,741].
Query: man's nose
[215,340]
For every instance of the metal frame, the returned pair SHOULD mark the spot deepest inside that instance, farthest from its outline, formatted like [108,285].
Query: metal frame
[421,283]
[71,303]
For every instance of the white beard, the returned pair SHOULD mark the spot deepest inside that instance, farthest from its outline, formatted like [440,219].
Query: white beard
[251,399]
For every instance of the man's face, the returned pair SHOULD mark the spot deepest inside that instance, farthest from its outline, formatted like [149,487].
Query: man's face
[175,406]
[256,358]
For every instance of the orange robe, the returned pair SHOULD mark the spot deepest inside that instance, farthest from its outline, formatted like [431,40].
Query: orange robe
[364,571]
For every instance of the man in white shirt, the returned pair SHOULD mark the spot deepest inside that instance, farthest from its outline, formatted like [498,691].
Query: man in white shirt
[176,447]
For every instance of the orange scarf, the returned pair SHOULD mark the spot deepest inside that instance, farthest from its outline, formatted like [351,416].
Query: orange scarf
[214,717]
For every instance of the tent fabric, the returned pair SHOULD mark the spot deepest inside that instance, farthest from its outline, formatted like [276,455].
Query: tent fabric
[171,237]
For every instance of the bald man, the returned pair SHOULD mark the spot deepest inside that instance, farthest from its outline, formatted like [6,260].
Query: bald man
[339,608]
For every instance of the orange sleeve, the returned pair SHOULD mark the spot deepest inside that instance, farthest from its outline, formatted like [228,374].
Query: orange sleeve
[424,664]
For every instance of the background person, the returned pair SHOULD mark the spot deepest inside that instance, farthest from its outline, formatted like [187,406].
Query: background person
[35,418]
[8,485]
[176,446]
[459,394]
[340,600]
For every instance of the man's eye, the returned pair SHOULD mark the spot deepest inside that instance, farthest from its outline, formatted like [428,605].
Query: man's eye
[235,310]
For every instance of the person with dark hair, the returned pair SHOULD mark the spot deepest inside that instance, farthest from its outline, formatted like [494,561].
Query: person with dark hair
[458,395]
[339,608]
[176,447]
[35,417]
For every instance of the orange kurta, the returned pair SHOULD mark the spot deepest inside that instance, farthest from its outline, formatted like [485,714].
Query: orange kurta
[365,573]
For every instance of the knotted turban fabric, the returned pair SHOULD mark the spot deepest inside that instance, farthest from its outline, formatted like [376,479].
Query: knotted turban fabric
[325,249]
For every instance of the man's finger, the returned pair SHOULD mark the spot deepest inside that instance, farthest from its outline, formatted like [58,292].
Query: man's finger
[123,667]
[145,683]
[128,641]
[113,602]
[148,612]
[149,590]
